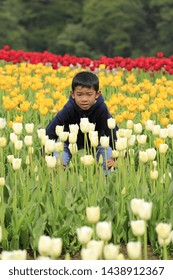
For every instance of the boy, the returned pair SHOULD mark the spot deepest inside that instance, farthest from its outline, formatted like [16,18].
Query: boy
[85,101]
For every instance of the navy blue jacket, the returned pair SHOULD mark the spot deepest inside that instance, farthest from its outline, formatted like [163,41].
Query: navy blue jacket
[72,113]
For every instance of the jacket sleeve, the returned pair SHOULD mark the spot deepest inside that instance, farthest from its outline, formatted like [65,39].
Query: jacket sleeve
[60,119]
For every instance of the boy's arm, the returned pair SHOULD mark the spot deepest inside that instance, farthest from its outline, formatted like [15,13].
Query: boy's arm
[61,118]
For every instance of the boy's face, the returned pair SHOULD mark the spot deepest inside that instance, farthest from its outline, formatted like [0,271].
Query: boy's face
[85,97]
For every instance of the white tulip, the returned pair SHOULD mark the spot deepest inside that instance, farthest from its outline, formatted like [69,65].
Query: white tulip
[13,137]
[111,251]
[2,181]
[28,140]
[137,128]
[59,147]
[142,139]
[73,148]
[88,160]
[63,136]
[17,128]
[94,141]
[91,127]
[149,125]
[56,247]
[84,234]
[96,244]
[145,210]
[16,163]
[43,139]
[143,157]
[51,161]
[74,128]
[72,137]
[163,133]
[163,148]
[163,242]
[50,146]
[104,230]
[44,245]
[131,141]
[170,132]
[84,125]
[18,145]
[151,153]
[14,255]
[2,123]
[104,141]
[89,254]
[3,142]
[58,129]
[154,174]
[138,227]
[129,124]
[135,204]
[29,127]
[111,123]
[134,250]
[93,214]
[163,230]
[121,144]
[10,158]
[115,153]
[41,132]
[156,130]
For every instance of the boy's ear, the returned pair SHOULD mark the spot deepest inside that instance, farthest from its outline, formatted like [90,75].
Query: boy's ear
[72,94]
[98,93]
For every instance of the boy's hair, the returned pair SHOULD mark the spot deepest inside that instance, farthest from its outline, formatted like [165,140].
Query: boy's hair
[85,79]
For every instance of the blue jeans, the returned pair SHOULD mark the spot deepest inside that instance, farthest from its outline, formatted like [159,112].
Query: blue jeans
[66,155]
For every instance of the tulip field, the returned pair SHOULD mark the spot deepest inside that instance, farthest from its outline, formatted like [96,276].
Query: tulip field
[51,212]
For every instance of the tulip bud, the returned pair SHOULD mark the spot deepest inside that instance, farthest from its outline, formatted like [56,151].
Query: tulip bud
[93,214]
[163,148]
[28,140]
[96,244]
[17,128]
[63,135]
[44,245]
[18,145]
[58,129]
[29,127]
[134,250]
[84,234]
[111,251]
[154,174]
[74,128]
[163,230]
[2,123]
[16,163]
[73,148]
[104,230]
[3,142]
[89,254]
[142,139]
[111,123]
[129,124]
[104,141]
[2,181]
[56,247]
[72,137]
[51,161]
[138,227]
[137,128]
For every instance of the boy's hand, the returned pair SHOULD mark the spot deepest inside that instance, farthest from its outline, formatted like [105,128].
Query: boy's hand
[111,163]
